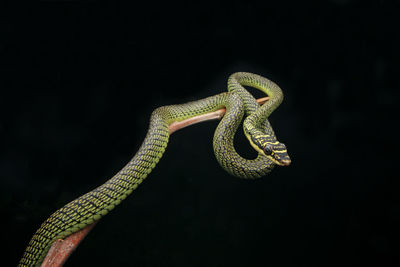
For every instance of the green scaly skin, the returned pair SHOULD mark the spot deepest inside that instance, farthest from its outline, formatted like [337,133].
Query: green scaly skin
[256,128]
[95,204]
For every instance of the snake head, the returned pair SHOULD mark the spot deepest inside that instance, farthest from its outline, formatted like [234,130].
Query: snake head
[271,148]
[276,152]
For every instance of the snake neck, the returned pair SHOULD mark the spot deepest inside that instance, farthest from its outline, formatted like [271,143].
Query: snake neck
[257,125]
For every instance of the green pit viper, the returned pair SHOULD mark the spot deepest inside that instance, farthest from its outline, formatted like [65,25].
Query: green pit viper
[238,102]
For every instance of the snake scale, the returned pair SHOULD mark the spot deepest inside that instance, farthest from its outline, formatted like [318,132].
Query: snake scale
[238,102]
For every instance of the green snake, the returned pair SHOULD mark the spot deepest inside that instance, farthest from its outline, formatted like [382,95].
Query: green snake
[238,102]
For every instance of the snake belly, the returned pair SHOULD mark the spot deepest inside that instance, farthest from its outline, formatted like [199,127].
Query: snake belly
[93,205]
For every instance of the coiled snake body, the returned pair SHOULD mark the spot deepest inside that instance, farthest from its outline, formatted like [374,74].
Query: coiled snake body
[95,204]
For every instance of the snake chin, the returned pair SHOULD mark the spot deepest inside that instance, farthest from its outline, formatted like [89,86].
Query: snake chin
[284,162]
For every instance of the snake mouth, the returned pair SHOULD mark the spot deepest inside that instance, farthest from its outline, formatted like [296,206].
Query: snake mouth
[285,162]
[282,160]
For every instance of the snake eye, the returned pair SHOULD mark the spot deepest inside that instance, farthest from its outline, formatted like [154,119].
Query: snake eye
[268,150]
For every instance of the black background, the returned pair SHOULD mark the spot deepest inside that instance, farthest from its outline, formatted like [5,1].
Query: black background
[79,81]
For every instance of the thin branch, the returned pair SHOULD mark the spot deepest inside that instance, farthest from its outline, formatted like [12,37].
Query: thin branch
[216,115]
[62,248]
